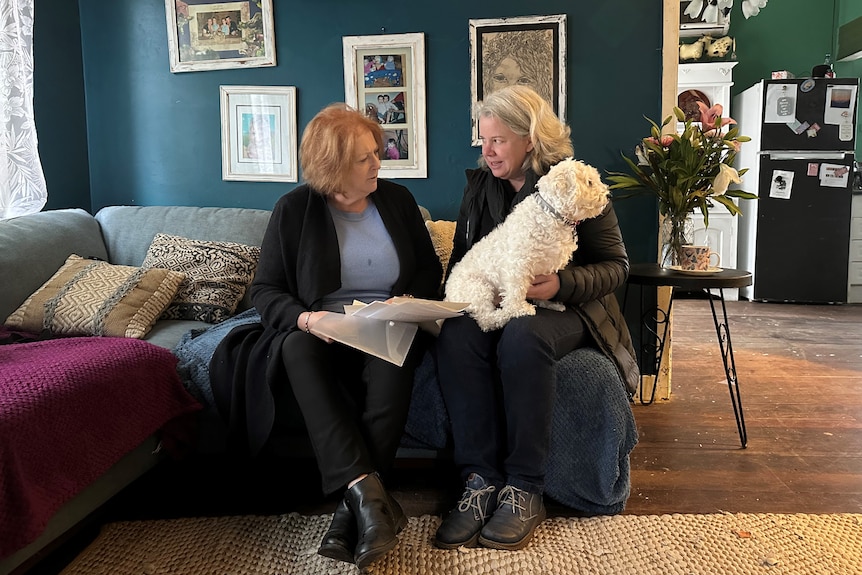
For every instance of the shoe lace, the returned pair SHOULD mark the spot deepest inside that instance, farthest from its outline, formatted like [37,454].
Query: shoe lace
[472,499]
[514,497]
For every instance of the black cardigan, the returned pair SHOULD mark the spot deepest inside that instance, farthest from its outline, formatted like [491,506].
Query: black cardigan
[299,264]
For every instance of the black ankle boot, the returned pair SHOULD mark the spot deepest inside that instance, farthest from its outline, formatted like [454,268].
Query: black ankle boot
[379,518]
[340,540]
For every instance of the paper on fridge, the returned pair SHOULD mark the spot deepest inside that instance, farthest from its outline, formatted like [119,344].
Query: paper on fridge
[384,330]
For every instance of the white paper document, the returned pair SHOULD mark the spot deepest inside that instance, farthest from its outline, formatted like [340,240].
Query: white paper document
[781,185]
[780,105]
[407,309]
[840,102]
[385,330]
[834,176]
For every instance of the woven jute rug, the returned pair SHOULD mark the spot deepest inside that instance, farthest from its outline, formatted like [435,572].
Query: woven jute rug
[655,544]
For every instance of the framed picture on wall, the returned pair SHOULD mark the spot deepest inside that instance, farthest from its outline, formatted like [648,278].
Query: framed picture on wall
[528,50]
[384,76]
[258,133]
[206,35]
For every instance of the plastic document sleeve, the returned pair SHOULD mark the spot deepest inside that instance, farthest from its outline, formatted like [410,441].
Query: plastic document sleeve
[389,340]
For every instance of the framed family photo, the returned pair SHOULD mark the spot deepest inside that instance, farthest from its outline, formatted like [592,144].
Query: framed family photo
[528,50]
[205,35]
[258,133]
[384,76]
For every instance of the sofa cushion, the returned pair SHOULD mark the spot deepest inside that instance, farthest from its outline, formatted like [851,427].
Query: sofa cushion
[91,297]
[129,230]
[217,275]
[33,247]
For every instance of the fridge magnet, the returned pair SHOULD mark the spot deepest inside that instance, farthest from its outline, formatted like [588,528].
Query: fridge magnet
[811,132]
[807,85]
[834,176]
[781,185]
[797,126]
[813,169]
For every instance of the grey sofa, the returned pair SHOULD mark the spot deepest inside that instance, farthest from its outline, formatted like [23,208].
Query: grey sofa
[593,426]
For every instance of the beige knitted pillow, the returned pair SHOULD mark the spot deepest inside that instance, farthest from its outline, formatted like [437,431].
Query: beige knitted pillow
[93,297]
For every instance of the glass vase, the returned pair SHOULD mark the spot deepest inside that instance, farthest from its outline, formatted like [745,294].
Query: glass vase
[676,231]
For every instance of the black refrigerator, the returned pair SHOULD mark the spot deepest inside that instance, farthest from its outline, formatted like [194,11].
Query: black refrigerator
[795,238]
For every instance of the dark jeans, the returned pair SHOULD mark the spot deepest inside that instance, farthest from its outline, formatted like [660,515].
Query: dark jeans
[354,405]
[499,390]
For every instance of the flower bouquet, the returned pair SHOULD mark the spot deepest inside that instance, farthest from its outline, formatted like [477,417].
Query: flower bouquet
[688,171]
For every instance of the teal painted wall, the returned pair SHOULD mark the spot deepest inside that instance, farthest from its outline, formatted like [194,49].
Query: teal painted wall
[59,105]
[153,137]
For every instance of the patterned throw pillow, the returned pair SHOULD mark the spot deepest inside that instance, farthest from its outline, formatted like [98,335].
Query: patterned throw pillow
[217,275]
[93,297]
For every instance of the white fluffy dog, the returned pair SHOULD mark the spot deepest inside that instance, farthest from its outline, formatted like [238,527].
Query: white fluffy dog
[538,237]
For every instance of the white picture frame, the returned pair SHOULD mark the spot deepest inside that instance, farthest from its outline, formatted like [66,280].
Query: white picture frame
[540,44]
[258,133]
[399,86]
[197,43]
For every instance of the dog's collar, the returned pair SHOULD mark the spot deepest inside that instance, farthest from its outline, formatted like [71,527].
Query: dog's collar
[551,210]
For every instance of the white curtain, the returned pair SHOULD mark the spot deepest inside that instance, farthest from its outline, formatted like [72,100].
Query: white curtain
[22,183]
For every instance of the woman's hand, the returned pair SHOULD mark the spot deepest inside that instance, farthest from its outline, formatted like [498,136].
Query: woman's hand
[306,321]
[544,287]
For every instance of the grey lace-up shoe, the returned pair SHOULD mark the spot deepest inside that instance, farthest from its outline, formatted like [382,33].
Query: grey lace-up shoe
[463,524]
[517,515]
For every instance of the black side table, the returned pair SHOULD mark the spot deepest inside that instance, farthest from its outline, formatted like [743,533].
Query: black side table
[652,274]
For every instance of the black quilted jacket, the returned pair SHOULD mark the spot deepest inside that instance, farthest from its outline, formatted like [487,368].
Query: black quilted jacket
[598,267]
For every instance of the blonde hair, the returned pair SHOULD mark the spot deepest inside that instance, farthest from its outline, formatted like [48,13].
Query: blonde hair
[526,113]
[329,144]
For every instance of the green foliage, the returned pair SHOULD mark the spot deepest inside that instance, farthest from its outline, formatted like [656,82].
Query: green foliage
[688,171]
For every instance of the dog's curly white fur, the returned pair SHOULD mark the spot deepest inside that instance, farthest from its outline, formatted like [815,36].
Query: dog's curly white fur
[538,237]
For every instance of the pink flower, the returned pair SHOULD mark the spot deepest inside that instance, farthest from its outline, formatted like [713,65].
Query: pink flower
[665,141]
[708,116]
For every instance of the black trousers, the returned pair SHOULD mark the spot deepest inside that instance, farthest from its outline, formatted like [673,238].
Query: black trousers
[354,405]
[499,390]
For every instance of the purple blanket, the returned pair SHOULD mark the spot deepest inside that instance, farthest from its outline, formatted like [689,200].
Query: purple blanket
[69,409]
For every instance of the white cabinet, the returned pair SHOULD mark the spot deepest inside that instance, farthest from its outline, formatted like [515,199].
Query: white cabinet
[854,287]
[710,82]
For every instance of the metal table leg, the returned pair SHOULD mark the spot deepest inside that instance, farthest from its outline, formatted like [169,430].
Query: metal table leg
[662,324]
[722,331]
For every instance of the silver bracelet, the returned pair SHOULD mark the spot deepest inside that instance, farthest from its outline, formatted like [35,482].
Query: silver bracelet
[307,318]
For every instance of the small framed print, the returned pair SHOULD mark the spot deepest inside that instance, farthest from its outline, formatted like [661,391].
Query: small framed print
[204,35]
[528,50]
[384,76]
[258,133]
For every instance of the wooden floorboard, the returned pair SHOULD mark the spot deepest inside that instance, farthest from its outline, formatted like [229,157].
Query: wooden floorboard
[800,375]
[799,369]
